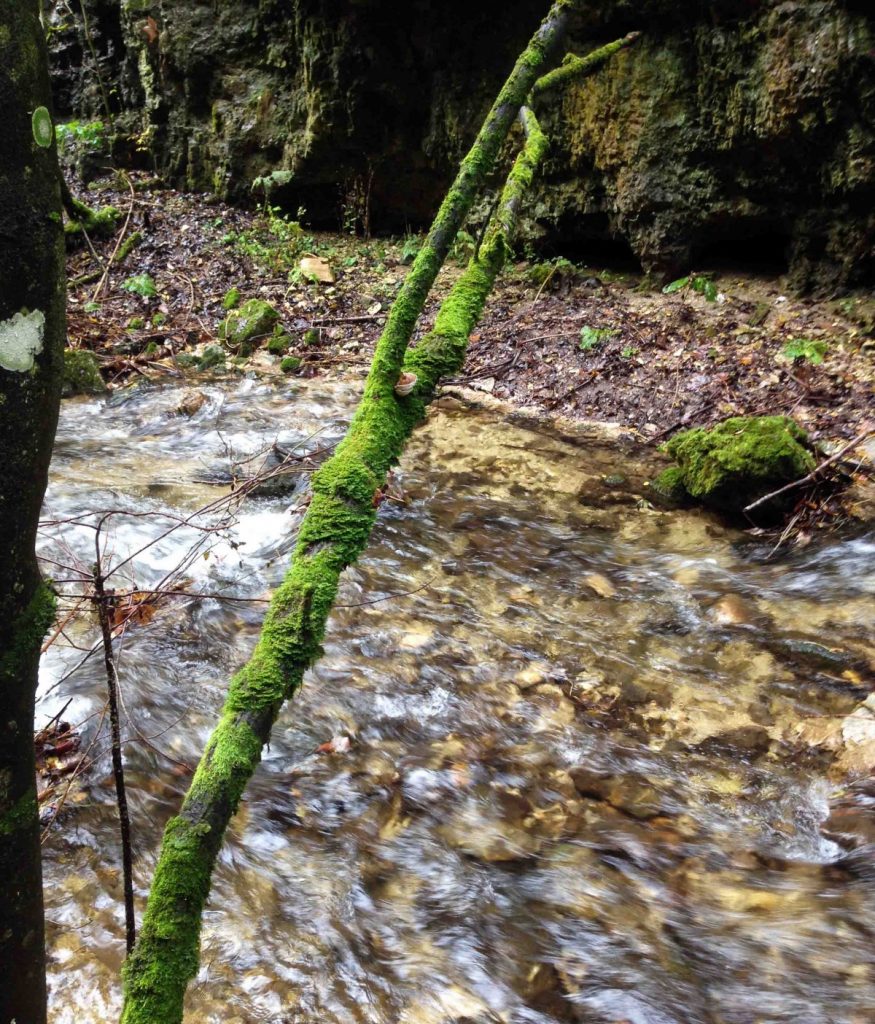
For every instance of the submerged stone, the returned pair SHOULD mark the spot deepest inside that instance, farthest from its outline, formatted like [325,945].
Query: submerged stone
[739,460]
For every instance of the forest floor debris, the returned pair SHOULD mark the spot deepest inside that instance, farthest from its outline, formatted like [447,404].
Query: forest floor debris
[584,342]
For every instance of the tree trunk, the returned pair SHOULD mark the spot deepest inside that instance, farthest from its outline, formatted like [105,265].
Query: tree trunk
[31,361]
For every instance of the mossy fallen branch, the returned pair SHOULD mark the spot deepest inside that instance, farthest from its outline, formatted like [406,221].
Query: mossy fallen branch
[100,222]
[573,67]
[333,533]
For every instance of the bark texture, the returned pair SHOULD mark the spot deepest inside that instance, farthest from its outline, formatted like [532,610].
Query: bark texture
[333,534]
[31,362]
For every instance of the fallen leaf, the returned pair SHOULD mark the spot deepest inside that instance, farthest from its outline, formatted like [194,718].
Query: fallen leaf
[336,745]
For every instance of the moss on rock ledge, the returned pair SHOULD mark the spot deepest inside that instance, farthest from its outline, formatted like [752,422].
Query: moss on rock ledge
[736,462]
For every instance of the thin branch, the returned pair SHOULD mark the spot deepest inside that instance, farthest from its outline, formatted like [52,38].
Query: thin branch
[118,768]
[814,473]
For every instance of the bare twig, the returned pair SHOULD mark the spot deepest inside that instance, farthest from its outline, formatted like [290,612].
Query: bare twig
[100,599]
[814,473]
[118,243]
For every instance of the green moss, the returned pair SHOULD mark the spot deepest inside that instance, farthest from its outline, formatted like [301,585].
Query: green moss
[668,488]
[100,222]
[243,329]
[739,460]
[231,299]
[128,245]
[81,374]
[136,323]
[30,629]
[211,357]
[278,342]
[573,67]
[290,364]
[21,815]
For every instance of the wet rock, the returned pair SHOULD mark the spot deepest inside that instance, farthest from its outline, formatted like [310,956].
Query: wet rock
[452,1006]
[81,374]
[555,710]
[749,739]
[417,639]
[191,402]
[276,474]
[599,584]
[858,738]
[851,826]
[591,783]
[630,794]
[491,839]
[732,610]
[532,675]
[818,655]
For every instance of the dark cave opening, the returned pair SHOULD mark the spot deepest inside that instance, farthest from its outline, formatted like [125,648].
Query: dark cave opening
[762,251]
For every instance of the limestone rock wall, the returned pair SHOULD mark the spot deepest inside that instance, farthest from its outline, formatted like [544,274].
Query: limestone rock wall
[734,127]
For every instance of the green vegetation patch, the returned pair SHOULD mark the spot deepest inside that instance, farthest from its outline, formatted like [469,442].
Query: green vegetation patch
[231,299]
[81,374]
[592,337]
[809,350]
[141,284]
[694,282]
[244,328]
[736,462]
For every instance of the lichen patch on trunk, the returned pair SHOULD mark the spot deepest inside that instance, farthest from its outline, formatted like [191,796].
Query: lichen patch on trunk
[21,339]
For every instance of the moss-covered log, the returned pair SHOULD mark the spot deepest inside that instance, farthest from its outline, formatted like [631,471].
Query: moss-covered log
[333,534]
[574,67]
[31,364]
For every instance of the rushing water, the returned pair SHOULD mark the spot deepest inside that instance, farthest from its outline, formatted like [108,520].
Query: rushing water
[599,769]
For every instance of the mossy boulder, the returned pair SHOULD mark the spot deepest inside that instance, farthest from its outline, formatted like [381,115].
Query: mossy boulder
[279,341]
[244,328]
[734,463]
[668,488]
[81,374]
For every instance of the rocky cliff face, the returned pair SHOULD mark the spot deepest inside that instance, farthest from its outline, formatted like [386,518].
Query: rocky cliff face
[742,128]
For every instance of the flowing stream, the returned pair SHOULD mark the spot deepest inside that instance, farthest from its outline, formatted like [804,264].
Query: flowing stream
[606,764]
